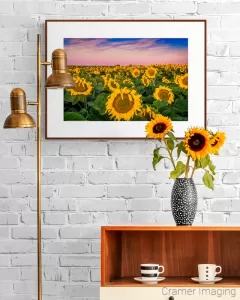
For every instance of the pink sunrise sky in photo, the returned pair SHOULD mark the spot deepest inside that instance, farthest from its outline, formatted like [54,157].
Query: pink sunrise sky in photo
[124,52]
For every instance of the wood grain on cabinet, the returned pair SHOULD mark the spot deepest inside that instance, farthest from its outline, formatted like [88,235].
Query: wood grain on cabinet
[178,249]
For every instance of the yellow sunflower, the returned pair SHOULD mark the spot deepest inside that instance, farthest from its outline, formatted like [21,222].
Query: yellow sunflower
[197,142]
[83,87]
[123,104]
[158,127]
[176,79]
[128,81]
[183,81]
[105,81]
[147,113]
[135,73]
[217,141]
[113,85]
[151,72]
[164,79]
[164,93]
[145,80]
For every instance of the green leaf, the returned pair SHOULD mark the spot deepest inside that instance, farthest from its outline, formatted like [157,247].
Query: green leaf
[181,147]
[204,161]
[100,103]
[180,169]
[181,104]
[78,98]
[73,116]
[148,99]
[208,180]
[140,89]
[179,150]
[156,158]
[198,164]
[159,104]
[172,136]
[212,167]
[170,144]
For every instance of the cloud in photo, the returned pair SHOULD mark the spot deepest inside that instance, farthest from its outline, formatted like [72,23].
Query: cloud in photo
[120,51]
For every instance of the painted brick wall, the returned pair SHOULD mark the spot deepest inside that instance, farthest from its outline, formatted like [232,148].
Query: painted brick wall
[90,183]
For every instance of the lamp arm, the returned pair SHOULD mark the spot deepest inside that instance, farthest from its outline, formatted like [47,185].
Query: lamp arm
[32,103]
[46,63]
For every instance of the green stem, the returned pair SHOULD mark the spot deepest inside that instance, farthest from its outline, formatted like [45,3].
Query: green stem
[170,154]
[187,167]
[193,170]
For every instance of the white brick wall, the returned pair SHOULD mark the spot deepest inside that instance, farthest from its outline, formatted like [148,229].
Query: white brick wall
[87,184]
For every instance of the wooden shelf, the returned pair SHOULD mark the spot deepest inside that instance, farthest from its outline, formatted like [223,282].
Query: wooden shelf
[179,249]
[173,282]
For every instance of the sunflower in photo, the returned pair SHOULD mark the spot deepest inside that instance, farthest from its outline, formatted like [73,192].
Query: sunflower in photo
[105,81]
[158,127]
[183,81]
[123,103]
[128,81]
[151,72]
[147,113]
[217,140]
[145,80]
[164,79]
[135,73]
[83,87]
[164,93]
[176,79]
[197,142]
[113,85]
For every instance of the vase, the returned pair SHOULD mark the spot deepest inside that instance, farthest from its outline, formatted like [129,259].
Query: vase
[184,201]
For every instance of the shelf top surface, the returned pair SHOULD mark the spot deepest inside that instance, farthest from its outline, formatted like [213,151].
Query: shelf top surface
[174,282]
[170,228]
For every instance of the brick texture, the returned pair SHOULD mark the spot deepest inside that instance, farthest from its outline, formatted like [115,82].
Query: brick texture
[87,184]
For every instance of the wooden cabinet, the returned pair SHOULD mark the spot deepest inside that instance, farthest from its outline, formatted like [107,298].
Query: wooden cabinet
[178,249]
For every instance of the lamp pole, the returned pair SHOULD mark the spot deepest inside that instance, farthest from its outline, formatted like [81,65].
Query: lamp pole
[39,168]
[19,118]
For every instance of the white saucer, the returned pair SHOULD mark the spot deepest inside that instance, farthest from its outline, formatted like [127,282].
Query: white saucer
[207,281]
[149,280]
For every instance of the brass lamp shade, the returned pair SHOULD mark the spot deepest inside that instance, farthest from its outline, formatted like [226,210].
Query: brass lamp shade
[19,118]
[59,77]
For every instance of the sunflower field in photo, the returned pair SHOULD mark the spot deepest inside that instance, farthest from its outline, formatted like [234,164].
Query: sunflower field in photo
[127,93]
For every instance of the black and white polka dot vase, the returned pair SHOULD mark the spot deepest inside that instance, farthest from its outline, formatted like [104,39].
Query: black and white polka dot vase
[184,201]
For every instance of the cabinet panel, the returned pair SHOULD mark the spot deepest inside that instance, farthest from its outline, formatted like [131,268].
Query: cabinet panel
[164,293]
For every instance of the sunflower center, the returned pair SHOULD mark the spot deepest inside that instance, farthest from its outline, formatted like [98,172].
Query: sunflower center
[163,95]
[123,104]
[82,87]
[159,128]
[185,81]
[151,72]
[196,142]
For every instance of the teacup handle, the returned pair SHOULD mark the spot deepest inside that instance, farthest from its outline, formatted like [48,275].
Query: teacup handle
[160,272]
[220,270]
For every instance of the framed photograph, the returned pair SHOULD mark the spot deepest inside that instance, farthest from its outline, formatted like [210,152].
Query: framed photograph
[126,73]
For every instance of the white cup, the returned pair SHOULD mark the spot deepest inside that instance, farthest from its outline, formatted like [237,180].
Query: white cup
[207,272]
[151,270]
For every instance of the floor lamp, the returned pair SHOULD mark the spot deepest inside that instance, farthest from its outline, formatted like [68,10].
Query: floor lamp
[19,118]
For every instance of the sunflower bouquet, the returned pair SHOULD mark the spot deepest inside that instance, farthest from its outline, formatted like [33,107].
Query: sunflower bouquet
[197,146]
